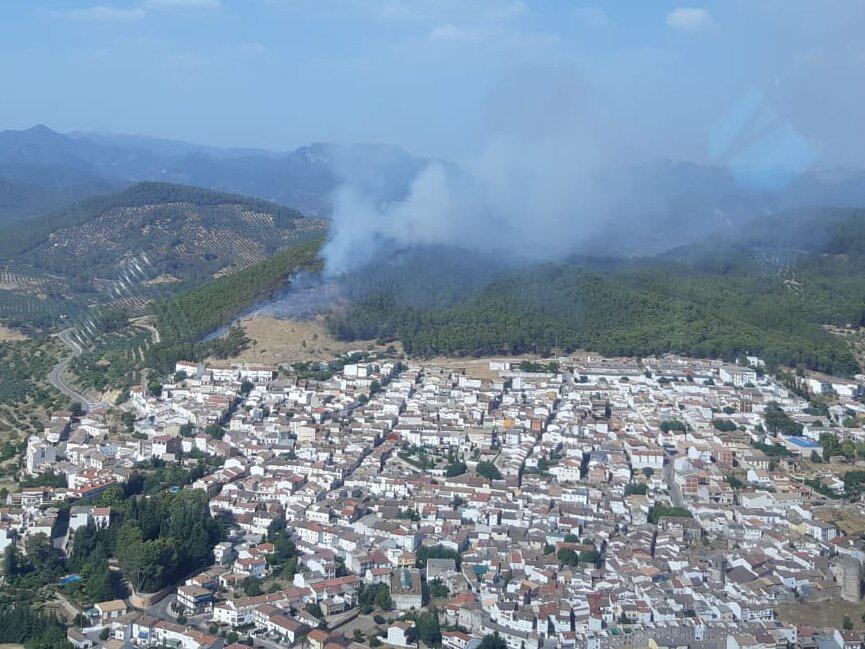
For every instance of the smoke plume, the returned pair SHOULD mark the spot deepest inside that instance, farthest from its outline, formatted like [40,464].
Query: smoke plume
[529,194]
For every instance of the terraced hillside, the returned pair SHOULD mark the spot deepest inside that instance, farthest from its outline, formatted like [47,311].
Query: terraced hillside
[126,249]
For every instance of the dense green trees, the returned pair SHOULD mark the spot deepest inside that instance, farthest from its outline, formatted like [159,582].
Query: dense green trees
[456,468]
[374,596]
[779,422]
[494,641]
[21,624]
[425,552]
[659,511]
[690,302]
[23,365]
[427,626]
[186,318]
[570,557]
[489,470]
[164,537]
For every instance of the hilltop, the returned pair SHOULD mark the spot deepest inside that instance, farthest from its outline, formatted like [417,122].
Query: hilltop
[139,243]
[82,164]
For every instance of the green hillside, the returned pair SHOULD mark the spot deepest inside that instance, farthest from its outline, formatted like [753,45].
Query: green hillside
[767,291]
[184,319]
[127,249]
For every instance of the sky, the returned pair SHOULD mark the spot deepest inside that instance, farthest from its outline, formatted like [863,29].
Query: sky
[649,78]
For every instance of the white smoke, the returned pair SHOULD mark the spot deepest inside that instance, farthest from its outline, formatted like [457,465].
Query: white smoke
[528,194]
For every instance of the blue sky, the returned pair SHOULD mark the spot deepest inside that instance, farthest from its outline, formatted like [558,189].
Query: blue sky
[652,78]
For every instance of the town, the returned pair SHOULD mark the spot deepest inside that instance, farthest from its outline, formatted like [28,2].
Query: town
[577,502]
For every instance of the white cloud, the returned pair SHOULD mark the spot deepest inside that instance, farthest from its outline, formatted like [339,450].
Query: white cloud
[185,4]
[690,19]
[104,13]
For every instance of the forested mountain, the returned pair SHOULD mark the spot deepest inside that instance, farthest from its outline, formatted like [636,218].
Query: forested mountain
[127,248]
[302,179]
[768,290]
[185,319]
[186,232]
[659,204]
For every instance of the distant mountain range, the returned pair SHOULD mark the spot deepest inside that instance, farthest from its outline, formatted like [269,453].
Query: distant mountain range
[39,161]
[659,204]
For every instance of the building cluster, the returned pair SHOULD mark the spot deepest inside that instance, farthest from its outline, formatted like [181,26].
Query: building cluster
[598,503]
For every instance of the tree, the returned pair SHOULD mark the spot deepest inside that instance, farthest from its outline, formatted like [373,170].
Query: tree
[567,557]
[383,599]
[251,587]
[215,431]
[847,623]
[489,470]
[128,420]
[101,583]
[154,387]
[425,552]
[40,552]
[11,561]
[275,529]
[438,589]
[428,629]
[648,471]
[779,422]
[455,469]
[493,641]
[831,445]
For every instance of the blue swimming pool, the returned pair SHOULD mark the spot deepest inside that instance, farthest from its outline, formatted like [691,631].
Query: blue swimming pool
[803,442]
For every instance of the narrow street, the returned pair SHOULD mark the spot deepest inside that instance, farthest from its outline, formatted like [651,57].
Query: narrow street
[672,485]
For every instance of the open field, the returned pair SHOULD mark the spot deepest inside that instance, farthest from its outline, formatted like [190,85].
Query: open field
[10,334]
[479,368]
[828,614]
[847,517]
[280,341]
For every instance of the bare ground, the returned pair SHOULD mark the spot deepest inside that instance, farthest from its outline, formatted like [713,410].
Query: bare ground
[290,341]
[827,614]
[10,334]
[846,517]
[478,368]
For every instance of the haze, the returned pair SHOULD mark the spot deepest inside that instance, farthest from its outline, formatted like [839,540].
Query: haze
[655,79]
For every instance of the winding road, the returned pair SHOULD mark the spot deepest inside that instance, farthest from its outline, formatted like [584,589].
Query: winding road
[58,379]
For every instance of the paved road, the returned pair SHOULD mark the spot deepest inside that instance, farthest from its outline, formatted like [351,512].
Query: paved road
[138,322]
[160,609]
[58,379]
[672,485]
